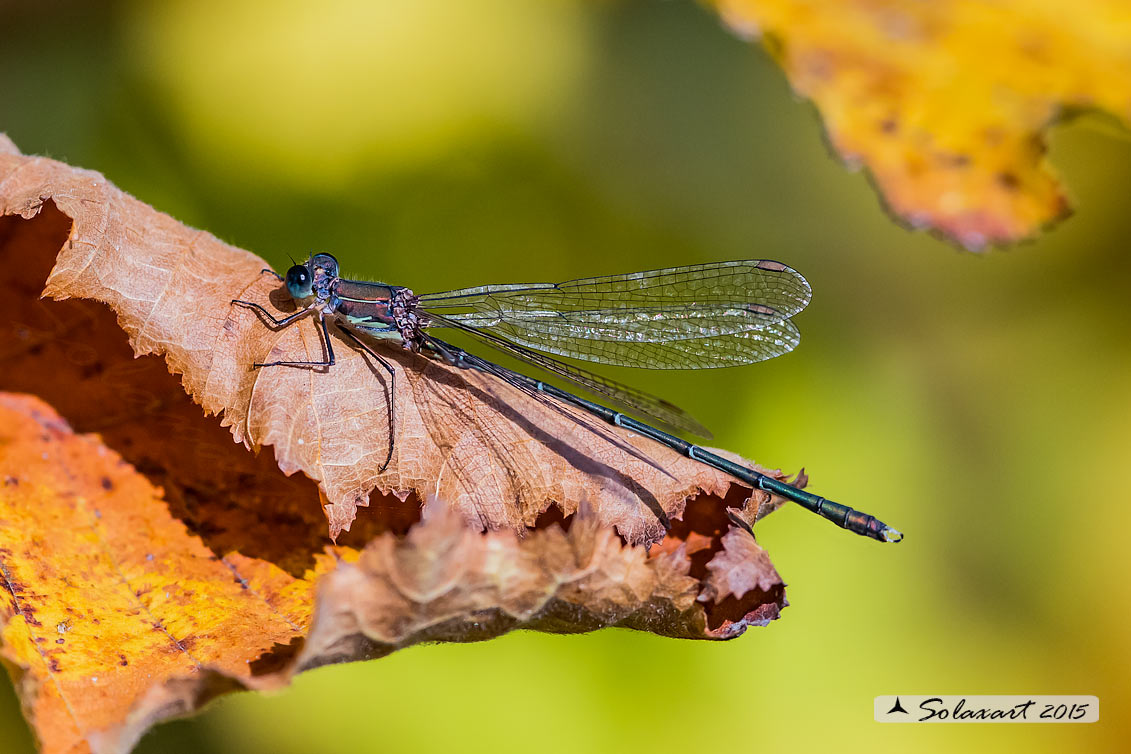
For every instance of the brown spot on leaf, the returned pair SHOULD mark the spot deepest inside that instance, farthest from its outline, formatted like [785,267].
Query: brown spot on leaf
[1008,180]
[278,658]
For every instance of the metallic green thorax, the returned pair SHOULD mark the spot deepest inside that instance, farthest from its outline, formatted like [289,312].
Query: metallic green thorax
[364,305]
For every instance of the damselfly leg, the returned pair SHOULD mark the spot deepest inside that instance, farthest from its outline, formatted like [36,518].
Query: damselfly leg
[330,360]
[391,391]
[284,322]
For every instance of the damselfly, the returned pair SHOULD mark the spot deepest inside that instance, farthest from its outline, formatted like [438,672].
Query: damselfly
[695,317]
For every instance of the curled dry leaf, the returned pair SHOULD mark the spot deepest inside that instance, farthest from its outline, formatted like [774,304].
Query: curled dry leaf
[498,457]
[946,102]
[174,565]
[117,616]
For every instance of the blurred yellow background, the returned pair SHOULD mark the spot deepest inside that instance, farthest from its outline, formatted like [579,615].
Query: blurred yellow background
[979,403]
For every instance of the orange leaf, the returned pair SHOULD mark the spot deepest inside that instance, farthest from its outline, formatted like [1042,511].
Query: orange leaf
[110,596]
[157,563]
[946,102]
[119,617]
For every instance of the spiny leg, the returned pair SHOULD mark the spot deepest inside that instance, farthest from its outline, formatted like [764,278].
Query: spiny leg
[329,362]
[277,322]
[268,269]
[329,352]
[392,392]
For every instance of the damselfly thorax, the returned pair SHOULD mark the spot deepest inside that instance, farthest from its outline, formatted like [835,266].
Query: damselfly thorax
[386,312]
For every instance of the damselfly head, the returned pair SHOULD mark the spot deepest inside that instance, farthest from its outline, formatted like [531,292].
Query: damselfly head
[312,278]
[300,282]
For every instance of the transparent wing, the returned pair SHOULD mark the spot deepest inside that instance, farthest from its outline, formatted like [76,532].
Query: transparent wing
[636,402]
[695,317]
[652,324]
[720,297]
[769,338]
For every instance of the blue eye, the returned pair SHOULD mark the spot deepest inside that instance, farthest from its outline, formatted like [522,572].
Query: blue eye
[300,282]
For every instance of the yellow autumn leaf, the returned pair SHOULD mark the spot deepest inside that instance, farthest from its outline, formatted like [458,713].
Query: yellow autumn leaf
[946,103]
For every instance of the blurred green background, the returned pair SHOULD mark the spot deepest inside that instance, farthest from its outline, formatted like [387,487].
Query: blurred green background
[979,403]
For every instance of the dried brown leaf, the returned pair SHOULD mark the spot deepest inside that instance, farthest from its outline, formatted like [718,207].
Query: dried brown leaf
[489,450]
[251,534]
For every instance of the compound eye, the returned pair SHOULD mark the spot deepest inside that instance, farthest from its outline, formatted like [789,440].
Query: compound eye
[300,282]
